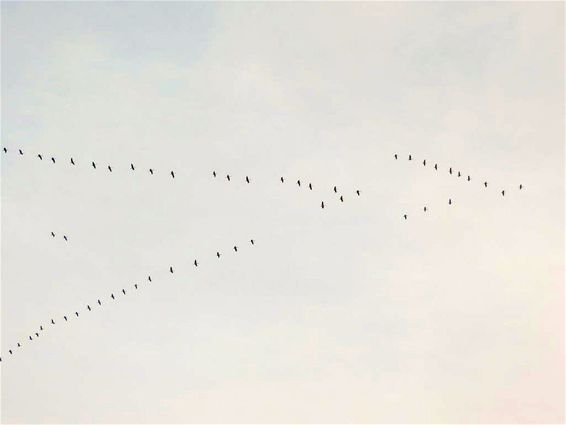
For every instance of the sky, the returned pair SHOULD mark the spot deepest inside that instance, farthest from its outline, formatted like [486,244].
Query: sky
[344,314]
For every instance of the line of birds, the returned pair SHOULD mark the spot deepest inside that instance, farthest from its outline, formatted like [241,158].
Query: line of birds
[451,171]
[64,236]
[98,302]
[93,164]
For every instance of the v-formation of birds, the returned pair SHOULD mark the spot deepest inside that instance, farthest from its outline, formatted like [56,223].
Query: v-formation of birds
[113,296]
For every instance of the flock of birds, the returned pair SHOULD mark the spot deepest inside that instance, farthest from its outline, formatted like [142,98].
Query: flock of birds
[339,196]
[89,307]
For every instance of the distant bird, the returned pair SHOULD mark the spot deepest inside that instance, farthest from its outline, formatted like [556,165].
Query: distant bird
[469,178]
[149,278]
[405,216]
[247,179]
[112,296]
[88,307]
[395,156]
[30,338]
[65,237]
[322,205]
[10,351]
[520,187]
[93,165]
[449,201]
[235,248]
[72,162]
[5,150]
[282,180]
[65,317]
[37,335]
[40,327]
[52,234]
[99,303]
[459,174]
[109,168]
[217,254]
[424,162]
[124,291]
[77,313]
[132,167]
[503,193]
[53,159]
[299,182]
[335,189]
[52,321]
[252,241]
[172,174]
[19,345]
[214,173]
[485,184]
[171,269]
[424,209]
[410,158]
[39,156]
[436,166]
[228,177]
[310,186]
[195,263]
[358,192]
[341,198]
[136,285]
[21,153]
[450,170]
[151,171]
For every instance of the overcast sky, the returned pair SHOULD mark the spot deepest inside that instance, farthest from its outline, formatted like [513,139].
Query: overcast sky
[344,314]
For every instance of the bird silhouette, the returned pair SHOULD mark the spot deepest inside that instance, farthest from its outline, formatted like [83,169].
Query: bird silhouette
[52,321]
[149,278]
[228,177]
[503,193]
[217,254]
[151,171]
[172,174]
[93,165]
[112,296]
[77,313]
[235,248]
[195,263]
[19,345]
[459,174]
[405,216]
[310,186]
[410,158]
[485,184]
[88,307]
[72,162]
[341,198]
[124,291]
[424,162]
[39,156]
[282,180]
[30,338]
[171,269]
[37,335]
[449,201]
[247,179]
[40,328]
[136,285]
[424,209]
[21,153]
[395,156]
[335,189]
[252,241]
[52,234]
[99,302]
[214,173]
[450,170]
[53,159]
[436,166]
[10,351]
[322,205]
[65,317]
[469,178]
[109,168]
[5,150]
[520,187]
[65,237]
[299,182]
[358,192]
[132,167]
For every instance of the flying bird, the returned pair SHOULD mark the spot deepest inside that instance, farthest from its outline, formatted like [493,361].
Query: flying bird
[247,179]
[395,156]
[112,296]
[65,317]
[171,269]
[358,192]
[10,351]
[410,158]
[132,167]
[53,159]
[405,215]
[30,338]
[310,186]
[136,285]
[252,241]
[149,278]
[19,345]
[65,237]
[520,187]
[217,254]
[282,180]
[322,205]
[123,291]
[77,313]
[450,170]
[449,201]
[214,173]
[39,156]
[172,174]
[195,263]
[341,198]
[52,234]
[503,193]
[40,327]
[469,178]
[88,307]
[424,162]
[21,153]
[424,209]
[93,165]
[299,182]
[459,174]
[228,177]
[109,168]
[37,335]
[5,150]
[72,162]
[235,248]
[436,166]
[52,321]
[485,184]
[99,303]
[335,190]
[151,171]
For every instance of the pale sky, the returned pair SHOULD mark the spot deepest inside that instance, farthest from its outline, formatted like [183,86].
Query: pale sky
[344,314]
